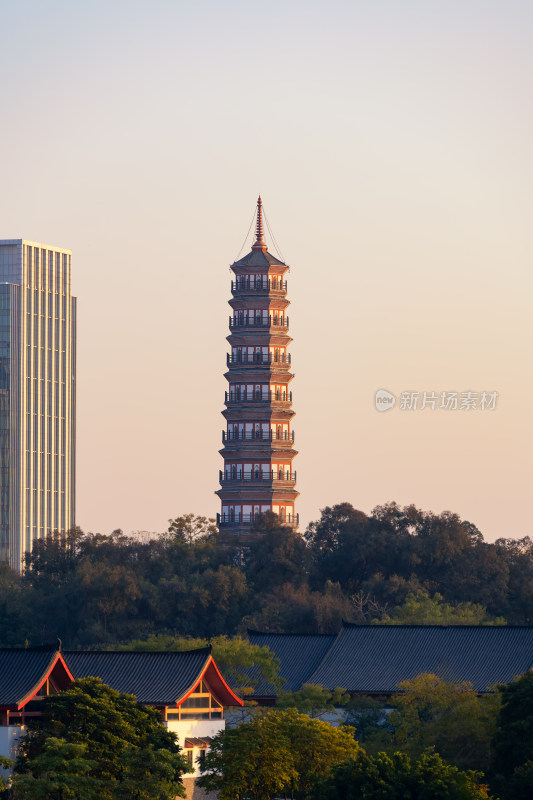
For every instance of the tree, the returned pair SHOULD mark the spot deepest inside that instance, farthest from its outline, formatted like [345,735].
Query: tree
[5,764]
[278,555]
[317,747]
[61,770]
[420,608]
[249,762]
[368,716]
[314,700]
[396,777]
[277,753]
[299,610]
[91,736]
[512,766]
[190,528]
[431,714]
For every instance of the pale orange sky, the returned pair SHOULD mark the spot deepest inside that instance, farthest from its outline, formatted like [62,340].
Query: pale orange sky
[391,143]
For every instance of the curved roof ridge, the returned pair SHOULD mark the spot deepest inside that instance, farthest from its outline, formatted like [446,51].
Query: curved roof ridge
[252,632]
[208,649]
[259,258]
[346,624]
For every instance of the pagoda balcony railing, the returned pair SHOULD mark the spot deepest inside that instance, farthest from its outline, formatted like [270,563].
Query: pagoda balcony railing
[257,358]
[256,476]
[257,436]
[257,397]
[237,518]
[244,284]
[259,322]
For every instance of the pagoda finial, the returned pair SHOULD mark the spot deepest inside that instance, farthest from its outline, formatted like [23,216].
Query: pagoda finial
[259,242]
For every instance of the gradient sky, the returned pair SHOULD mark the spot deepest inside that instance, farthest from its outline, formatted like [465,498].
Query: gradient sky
[391,143]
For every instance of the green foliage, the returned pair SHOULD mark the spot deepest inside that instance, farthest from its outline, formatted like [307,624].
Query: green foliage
[396,777]
[190,529]
[277,753]
[414,566]
[314,700]
[250,762]
[94,742]
[368,716]
[61,770]
[5,764]
[298,609]
[277,557]
[449,718]
[512,766]
[421,609]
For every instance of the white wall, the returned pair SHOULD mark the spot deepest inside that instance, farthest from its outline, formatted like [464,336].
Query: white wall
[9,736]
[192,727]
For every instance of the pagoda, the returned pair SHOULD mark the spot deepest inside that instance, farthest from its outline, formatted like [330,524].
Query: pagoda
[258,449]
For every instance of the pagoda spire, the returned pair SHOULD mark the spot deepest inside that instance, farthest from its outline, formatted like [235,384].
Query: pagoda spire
[259,241]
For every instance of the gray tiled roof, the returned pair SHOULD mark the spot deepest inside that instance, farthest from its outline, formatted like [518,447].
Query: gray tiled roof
[155,678]
[257,258]
[21,671]
[376,658]
[299,656]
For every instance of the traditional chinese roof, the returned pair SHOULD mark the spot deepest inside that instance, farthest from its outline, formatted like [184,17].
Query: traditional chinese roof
[155,678]
[374,659]
[258,258]
[198,741]
[24,672]
[299,656]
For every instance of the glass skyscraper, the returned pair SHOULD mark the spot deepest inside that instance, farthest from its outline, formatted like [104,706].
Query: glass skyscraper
[37,395]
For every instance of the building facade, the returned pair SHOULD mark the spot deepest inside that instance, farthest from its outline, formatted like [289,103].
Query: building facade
[258,451]
[37,395]
[185,686]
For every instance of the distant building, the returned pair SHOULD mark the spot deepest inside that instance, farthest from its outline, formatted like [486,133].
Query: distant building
[186,687]
[374,659]
[37,395]
[258,452]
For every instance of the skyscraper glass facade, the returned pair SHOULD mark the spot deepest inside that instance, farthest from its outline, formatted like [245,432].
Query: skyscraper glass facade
[37,395]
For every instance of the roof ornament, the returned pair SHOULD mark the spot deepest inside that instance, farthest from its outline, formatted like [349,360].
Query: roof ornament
[259,242]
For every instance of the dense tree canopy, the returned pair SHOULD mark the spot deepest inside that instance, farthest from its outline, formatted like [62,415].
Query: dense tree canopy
[93,742]
[396,777]
[429,714]
[277,754]
[396,565]
[512,765]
